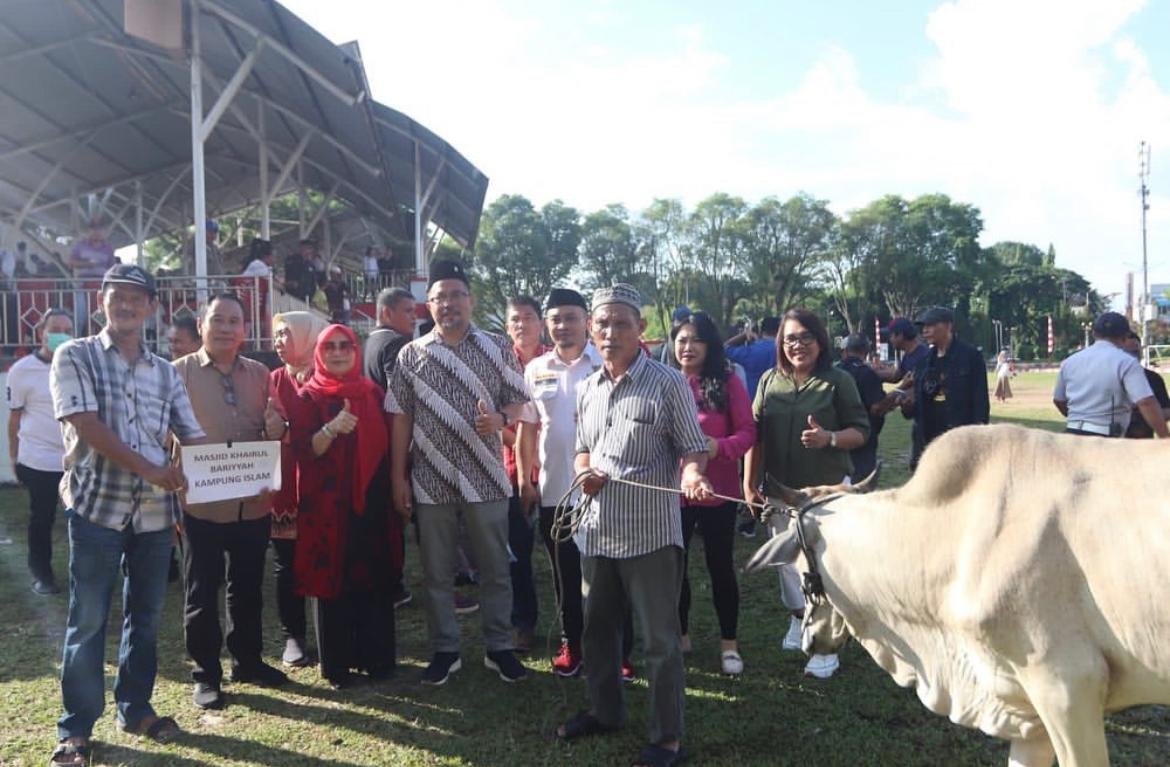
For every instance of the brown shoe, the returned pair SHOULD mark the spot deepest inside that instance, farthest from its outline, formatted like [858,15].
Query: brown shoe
[522,641]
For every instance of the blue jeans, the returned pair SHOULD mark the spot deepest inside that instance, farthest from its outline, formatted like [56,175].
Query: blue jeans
[96,557]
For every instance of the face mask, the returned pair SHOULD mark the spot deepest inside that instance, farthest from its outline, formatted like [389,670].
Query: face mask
[53,340]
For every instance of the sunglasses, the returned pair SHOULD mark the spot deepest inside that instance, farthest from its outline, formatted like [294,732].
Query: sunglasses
[338,346]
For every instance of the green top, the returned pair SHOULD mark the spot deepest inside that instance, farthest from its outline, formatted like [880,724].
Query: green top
[781,410]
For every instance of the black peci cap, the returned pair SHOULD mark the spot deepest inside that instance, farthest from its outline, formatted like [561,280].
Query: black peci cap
[447,270]
[564,297]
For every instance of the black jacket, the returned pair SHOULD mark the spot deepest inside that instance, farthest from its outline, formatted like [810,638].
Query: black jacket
[950,391]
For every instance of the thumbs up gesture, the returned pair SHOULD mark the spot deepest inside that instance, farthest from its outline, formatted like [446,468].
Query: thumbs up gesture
[344,422]
[486,421]
[273,421]
[815,436]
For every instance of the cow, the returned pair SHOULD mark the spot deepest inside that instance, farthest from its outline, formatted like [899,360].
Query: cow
[1020,582]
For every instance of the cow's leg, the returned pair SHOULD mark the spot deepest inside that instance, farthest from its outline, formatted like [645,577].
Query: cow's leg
[1036,751]
[1071,710]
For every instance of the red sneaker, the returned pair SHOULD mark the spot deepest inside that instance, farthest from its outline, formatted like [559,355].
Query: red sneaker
[567,662]
[629,674]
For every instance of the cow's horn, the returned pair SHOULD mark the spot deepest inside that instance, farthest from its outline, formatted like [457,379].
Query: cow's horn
[870,482]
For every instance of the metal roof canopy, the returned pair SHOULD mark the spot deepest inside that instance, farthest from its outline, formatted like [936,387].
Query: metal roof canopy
[89,110]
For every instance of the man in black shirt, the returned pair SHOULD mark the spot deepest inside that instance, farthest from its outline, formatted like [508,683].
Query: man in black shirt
[1138,428]
[872,396]
[395,329]
[950,385]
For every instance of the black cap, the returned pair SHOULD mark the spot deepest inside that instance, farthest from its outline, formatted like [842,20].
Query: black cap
[129,274]
[447,270]
[935,314]
[1111,325]
[564,297]
[902,326]
[857,344]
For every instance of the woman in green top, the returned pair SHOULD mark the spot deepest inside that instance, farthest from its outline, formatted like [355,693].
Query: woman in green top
[808,417]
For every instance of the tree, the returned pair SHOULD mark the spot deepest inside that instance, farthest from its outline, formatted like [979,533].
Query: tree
[521,251]
[787,246]
[607,252]
[718,235]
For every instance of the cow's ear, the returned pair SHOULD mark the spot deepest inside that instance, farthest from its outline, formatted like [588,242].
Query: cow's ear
[781,549]
[870,483]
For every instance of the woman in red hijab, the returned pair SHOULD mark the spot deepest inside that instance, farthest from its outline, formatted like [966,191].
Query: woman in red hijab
[348,537]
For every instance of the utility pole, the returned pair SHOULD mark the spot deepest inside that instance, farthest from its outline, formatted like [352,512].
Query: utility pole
[1144,192]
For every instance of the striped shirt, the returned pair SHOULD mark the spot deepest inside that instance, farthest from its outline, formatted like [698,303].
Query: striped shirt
[440,385]
[637,427]
[141,405]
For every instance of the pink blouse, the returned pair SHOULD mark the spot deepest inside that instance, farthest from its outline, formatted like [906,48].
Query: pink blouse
[734,430]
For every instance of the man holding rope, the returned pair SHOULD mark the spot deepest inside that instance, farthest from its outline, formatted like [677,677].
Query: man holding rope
[636,421]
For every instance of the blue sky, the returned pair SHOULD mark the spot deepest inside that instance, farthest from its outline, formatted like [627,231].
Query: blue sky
[1029,109]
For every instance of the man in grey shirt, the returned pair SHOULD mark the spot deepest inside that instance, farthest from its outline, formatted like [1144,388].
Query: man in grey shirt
[1098,387]
[636,420]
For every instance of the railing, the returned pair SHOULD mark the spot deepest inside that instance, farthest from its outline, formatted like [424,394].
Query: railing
[23,303]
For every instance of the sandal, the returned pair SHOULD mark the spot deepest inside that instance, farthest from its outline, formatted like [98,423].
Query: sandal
[160,729]
[70,754]
[657,756]
[582,725]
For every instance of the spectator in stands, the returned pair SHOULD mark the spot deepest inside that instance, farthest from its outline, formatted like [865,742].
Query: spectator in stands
[89,259]
[347,542]
[295,341]
[226,541]
[215,265]
[316,263]
[1138,428]
[869,386]
[386,265]
[260,259]
[370,273]
[120,488]
[337,296]
[34,444]
[7,265]
[757,353]
[22,262]
[298,275]
[183,337]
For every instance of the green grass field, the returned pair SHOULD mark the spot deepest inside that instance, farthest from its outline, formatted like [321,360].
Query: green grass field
[772,715]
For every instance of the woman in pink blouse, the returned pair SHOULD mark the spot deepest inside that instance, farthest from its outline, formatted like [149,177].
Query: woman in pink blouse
[725,414]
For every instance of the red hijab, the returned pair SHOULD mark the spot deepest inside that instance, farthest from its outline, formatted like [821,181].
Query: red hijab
[365,402]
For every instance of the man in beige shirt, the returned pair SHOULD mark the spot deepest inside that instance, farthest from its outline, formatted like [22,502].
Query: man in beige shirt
[229,394]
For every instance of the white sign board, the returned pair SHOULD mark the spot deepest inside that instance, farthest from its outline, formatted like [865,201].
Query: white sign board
[222,473]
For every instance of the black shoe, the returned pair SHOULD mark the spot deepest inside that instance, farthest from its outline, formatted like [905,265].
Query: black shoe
[504,663]
[466,579]
[294,653]
[443,665]
[207,696]
[46,587]
[343,681]
[261,674]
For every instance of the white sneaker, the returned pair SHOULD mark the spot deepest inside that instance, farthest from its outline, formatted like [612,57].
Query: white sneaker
[792,638]
[731,662]
[822,666]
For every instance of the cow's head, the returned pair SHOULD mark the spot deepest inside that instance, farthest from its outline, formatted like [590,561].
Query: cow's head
[823,629]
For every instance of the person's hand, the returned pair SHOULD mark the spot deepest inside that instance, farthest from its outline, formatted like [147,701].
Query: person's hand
[695,485]
[273,421]
[487,422]
[815,436]
[593,483]
[345,421]
[264,497]
[712,447]
[529,498]
[752,495]
[401,495]
[169,478]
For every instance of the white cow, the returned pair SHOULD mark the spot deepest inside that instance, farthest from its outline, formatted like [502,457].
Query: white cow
[1020,582]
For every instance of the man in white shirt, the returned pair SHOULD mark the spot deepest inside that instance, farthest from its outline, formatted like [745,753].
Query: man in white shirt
[35,446]
[1098,388]
[553,380]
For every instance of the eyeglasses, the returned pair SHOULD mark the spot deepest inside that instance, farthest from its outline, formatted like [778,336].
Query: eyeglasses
[448,298]
[339,346]
[229,389]
[799,339]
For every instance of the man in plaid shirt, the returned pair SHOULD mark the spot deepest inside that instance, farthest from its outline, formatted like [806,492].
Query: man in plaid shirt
[117,402]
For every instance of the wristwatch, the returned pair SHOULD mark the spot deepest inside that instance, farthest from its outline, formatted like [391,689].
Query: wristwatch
[832,439]
[507,420]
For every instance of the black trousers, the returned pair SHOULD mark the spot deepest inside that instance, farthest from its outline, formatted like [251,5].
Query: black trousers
[290,606]
[356,632]
[717,525]
[566,566]
[520,540]
[209,546]
[42,513]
